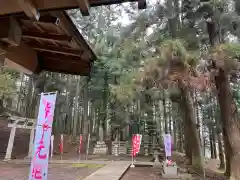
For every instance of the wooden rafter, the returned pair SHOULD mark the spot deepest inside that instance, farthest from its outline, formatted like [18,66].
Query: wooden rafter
[49,19]
[44,19]
[10,31]
[22,57]
[68,26]
[53,43]
[46,36]
[58,50]
[29,8]
[83,6]
[69,68]
[69,58]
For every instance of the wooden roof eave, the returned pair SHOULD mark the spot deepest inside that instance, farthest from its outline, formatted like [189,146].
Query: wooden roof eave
[33,8]
[28,55]
[74,32]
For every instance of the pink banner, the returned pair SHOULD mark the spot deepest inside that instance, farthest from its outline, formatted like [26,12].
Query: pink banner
[40,156]
[167,144]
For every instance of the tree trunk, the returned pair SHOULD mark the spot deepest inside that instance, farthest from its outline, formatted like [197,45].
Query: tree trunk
[159,110]
[104,107]
[213,129]
[227,151]
[85,122]
[211,142]
[1,106]
[174,134]
[186,132]
[180,136]
[165,114]
[197,112]
[214,143]
[29,96]
[197,159]
[230,122]
[91,114]
[220,150]
[20,90]
[76,108]
[169,117]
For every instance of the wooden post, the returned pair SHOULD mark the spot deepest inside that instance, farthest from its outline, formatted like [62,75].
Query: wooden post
[10,144]
[30,148]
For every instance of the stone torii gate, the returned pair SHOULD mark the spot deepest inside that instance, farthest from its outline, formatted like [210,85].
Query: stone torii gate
[15,122]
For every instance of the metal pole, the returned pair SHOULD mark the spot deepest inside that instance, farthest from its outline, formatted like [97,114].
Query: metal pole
[132,165]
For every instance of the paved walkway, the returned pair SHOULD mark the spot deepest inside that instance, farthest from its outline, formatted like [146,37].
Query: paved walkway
[112,171]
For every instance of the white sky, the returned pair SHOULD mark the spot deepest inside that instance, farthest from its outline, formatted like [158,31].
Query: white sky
[125,20]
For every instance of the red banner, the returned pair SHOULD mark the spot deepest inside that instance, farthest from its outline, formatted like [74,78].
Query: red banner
[136,142]
[61,145]
[80,143]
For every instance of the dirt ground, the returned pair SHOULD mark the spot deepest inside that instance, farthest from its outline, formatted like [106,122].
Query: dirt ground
[150,173]
[60,172]
[141,173]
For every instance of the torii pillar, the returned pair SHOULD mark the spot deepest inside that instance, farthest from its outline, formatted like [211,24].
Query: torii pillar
[10,144]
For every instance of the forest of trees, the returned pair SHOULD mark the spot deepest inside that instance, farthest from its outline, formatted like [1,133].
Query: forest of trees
[174,66]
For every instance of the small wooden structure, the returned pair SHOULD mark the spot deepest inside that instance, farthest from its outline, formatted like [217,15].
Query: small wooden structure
[15,122]
[38,35]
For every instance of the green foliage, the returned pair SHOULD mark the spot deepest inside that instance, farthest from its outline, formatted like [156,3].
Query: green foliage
[232,50]
[7,85]
[227,56]
[125,92]
[174,48]
[236,94]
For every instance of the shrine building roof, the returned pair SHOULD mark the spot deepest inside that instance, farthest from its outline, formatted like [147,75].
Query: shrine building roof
[38,35]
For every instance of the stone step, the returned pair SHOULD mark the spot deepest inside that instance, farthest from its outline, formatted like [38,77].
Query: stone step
[117,150]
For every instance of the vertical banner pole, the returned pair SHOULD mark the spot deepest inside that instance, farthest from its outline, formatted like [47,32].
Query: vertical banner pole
[40,153]
[61,147]
[52,140]
[133,150]
[80,148]
[132,165]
